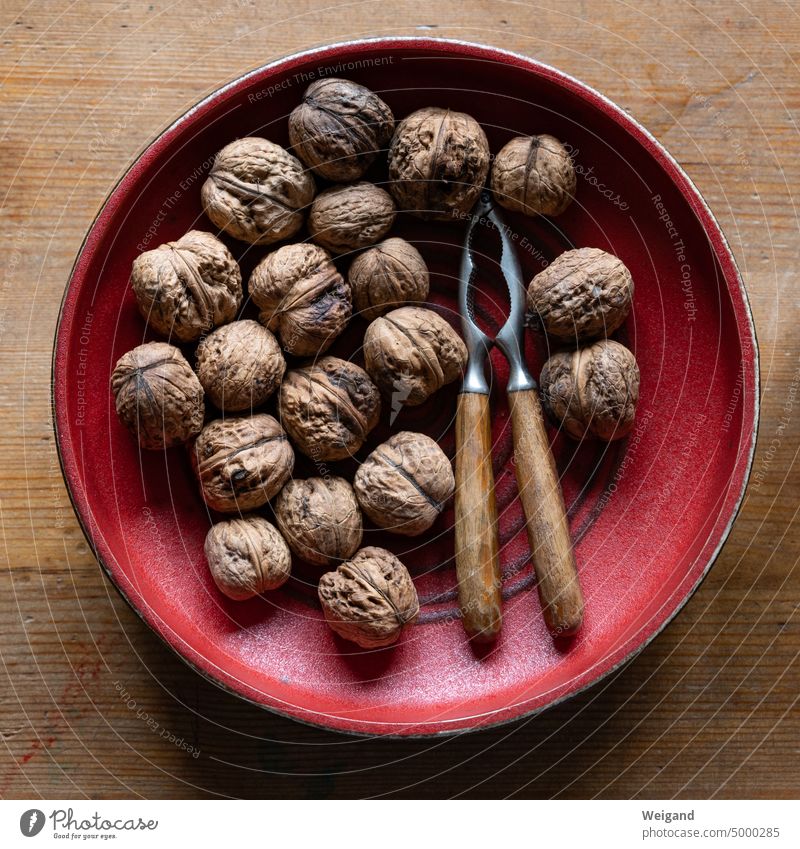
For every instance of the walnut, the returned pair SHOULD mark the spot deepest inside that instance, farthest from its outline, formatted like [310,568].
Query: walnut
[329,408]
[389,275]
[438,162]
[347,218]
[188,287]
[405,483]
[593,390]
[247,556]
[583,293]
[340,128]
[240,365]
[320,519]
[534,175]
[412,352]
[257,192]
[241,462]
[369,599]
[157,395]
[302,297]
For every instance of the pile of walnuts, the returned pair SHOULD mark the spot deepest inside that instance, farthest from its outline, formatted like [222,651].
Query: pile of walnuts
[216,397]
[592,387]
[191,292]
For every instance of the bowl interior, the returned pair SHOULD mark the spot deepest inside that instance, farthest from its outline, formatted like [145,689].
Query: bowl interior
[647,514]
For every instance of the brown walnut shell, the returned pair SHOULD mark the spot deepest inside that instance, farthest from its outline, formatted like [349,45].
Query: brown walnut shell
[241,462]
[411,353]
[328,408]
[157,395]
[302,297]
[257,192]
[347,218]
[583,293]
[247,556]
[339,128]
[188,287]
[369,599]
[387,276]
[320,519]
[534,175]
[240,365]
[438,162]
[593,390]
[405,483]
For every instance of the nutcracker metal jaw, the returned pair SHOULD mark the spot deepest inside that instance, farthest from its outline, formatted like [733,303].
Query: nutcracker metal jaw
[509,338]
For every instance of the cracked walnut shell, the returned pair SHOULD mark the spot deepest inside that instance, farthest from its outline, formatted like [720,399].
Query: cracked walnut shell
[320,519]
[157,395]
[411,353]
[328,408]
[405,483]
[302,297]
[534,175]
[257,192]
[339,128]
[387,276]
[188,287]
[240,365]
[241,462]
[583,293]
[247,556]
[593,390]
[348,218]
[369,599]
[438,162]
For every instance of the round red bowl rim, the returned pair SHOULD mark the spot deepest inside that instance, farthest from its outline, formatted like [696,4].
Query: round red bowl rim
[689,191]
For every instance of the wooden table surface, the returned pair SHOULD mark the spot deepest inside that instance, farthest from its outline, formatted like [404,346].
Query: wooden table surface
[709,709]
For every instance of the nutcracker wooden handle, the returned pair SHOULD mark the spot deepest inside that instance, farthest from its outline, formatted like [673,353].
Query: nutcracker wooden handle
[477,557]
[543,503]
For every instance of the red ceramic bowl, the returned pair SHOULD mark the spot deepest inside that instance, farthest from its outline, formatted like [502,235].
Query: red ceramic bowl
[648,514]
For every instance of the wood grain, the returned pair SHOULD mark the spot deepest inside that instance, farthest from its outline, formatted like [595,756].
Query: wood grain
[546,517]
[476,543]
[86,691]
